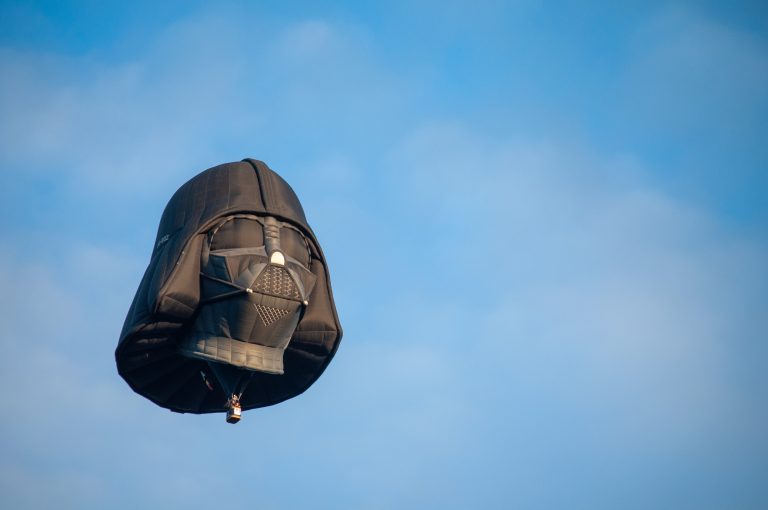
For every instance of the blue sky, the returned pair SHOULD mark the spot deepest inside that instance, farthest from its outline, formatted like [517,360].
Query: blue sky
[546,226]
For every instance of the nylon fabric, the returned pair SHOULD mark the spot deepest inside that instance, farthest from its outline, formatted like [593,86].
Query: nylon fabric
[167,303]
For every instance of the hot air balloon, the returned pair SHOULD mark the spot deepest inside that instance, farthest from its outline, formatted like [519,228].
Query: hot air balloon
[235,310]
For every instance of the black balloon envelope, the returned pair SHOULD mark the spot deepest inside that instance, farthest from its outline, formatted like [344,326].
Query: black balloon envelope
[235,310]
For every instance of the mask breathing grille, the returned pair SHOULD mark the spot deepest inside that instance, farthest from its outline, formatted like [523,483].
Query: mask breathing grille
[276,281]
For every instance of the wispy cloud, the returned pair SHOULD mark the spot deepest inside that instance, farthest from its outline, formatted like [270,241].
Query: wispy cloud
[529,321]
[236,84]
[692,73]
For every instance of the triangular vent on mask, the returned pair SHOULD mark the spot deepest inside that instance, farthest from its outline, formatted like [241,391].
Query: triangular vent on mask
[269,315]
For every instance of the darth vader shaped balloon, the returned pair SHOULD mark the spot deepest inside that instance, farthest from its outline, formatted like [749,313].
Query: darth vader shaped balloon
[235,310]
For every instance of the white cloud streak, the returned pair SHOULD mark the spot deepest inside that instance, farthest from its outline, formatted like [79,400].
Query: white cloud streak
[543,318]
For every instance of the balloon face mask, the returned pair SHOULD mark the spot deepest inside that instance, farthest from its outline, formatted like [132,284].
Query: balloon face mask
[250,264]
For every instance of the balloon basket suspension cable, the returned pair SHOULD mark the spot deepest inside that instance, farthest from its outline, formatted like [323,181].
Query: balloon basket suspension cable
[233,381]
[234,409]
